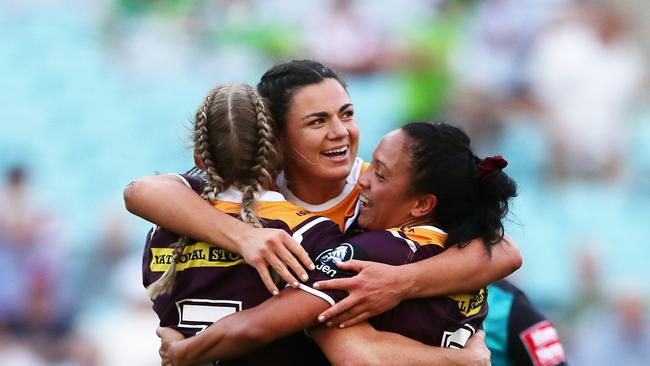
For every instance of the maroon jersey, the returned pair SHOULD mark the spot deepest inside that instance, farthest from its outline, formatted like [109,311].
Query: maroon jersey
[212,283]
[446,321]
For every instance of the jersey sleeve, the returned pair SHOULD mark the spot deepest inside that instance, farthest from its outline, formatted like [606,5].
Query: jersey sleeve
[157,234]
[532,340]
[327,254]
[196,182]
[317,235]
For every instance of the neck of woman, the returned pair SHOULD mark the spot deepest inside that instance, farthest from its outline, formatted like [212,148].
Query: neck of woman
[313,190]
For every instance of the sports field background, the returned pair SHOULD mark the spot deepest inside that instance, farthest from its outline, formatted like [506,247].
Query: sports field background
[96,93]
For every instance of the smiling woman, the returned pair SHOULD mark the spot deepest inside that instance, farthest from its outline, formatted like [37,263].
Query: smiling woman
[322,138]
[315,124]
[385,188]
[413,230]
[235,147]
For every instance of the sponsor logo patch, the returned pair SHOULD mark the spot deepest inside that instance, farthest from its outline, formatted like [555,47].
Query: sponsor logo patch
[326,261]
[196,255]
[543,344]
[470,304]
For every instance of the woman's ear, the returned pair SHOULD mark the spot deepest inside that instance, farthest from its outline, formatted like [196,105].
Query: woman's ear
[424,205]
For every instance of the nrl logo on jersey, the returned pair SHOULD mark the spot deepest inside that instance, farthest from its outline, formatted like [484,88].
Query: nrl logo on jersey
[326,261]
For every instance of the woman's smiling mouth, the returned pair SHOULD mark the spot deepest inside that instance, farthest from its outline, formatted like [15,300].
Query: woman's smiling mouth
[336,154]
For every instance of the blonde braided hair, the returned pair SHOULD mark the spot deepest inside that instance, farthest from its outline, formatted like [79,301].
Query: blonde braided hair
[214,185]
[264,162]
[234,140]
[201,142]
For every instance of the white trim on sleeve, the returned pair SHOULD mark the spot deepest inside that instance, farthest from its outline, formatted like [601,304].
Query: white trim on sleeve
[182,179]
[317,293]
[297,235]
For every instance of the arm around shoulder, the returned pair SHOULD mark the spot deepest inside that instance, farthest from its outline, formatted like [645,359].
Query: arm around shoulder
[461,269]
[245,331]
[379,287]
[361,344]
[168,202]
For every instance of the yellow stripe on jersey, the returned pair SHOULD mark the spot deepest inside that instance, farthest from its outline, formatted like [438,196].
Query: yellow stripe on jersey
[345,209]
[469,304]
[288,212]
[423,235]
[196,255]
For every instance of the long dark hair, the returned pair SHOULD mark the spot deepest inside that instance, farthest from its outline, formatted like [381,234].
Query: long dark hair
[471,201]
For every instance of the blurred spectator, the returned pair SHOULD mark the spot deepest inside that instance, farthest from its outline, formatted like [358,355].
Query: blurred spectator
[31,244]
[617,334]
[223,40]
[18,214]
[110,249]
[527,162]
[478,113]
[146,38]
[491,52]
[343,39]
[125,333]
[423,59]
[36,302]
[13,352]
[243,24]
[46,331]
[589,292]
[586,71]
[19,223]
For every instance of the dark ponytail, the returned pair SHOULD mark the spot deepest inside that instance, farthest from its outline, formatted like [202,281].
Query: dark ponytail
[472,194]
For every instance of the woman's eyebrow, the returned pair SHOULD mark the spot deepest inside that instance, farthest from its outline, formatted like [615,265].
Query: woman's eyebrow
[325,114]
[380,163]
[345,106]
[316,114]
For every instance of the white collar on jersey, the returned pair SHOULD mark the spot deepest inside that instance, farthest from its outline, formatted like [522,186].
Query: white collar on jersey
[232,194]
[350,182]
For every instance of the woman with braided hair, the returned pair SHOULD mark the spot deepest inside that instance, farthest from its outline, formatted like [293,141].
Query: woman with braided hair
[193,284]
[319,138]
[424,190]
[234,118]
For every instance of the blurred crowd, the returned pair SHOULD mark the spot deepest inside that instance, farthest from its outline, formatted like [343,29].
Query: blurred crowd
[559,87]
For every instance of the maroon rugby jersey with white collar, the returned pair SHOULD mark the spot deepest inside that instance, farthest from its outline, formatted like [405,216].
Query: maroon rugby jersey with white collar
[212,282]
[446,321]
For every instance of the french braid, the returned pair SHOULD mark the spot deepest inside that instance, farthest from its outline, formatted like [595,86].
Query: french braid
[264,162]
[201,141]
[214,185]
[233,138]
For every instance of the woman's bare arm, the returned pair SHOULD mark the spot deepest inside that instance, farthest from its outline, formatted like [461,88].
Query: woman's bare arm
[294,310]
[380,287]
[167,202]
[362,344]
[237,334]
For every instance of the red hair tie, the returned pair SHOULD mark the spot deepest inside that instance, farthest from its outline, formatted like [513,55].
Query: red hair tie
[490,165]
